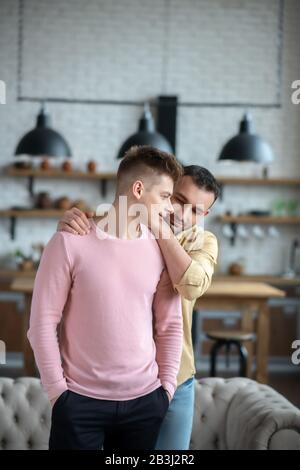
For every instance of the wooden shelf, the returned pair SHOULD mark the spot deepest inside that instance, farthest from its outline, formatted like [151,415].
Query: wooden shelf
[57,173]
[258,181]
[103,177]
[234,220]
[254,219]
[33,173]
[43,213]
[13,214]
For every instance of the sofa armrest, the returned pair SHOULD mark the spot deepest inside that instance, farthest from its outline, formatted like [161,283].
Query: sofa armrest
[260,418]
[212,398]
[239,413]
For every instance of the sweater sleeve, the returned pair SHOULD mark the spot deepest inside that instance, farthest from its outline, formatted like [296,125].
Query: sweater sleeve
[167,332]
[51,289]
[198,276]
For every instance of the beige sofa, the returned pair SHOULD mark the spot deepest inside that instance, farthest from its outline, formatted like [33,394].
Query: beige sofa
[240,413]
[229,414]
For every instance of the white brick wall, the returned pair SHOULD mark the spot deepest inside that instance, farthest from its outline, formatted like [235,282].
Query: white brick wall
[203,50]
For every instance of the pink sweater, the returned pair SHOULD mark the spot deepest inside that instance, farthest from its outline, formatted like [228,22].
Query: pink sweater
[105,321]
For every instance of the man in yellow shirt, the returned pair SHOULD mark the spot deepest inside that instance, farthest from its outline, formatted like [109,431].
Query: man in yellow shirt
[190,254]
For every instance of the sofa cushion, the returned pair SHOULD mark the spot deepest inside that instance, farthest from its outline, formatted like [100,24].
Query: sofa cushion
[25,414]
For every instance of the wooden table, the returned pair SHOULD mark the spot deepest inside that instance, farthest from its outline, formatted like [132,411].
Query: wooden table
[249,298]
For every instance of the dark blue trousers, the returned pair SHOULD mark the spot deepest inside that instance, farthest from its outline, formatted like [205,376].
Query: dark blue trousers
[81,422]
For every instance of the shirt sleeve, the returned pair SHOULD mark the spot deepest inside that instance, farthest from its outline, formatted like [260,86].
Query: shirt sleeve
[197,278]
[51,289]
[167,316]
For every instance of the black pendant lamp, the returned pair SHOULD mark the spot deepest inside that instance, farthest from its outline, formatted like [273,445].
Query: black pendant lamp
[247,146]
[146,135]
[42,140]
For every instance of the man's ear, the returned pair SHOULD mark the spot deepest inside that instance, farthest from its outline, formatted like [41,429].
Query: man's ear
[138,189]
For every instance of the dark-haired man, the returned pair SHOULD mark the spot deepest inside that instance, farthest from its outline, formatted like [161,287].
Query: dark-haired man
[190,254]
[112,369]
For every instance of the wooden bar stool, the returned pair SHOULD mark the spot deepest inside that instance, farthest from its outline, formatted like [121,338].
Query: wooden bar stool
[229,338]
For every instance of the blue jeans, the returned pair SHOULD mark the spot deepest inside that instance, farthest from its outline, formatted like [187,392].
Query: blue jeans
[176,429]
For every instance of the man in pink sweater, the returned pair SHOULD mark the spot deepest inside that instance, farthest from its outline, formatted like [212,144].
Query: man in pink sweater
[106,324]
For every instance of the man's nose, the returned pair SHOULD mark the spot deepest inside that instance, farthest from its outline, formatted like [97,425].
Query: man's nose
[170,208]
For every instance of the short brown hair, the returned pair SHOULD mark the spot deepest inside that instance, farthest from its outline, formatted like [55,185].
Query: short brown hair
[138,159]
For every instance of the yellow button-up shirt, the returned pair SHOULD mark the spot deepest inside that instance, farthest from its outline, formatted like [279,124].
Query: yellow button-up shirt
[202,247]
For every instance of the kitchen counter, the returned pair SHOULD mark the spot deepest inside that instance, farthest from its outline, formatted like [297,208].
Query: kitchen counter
[267,278]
